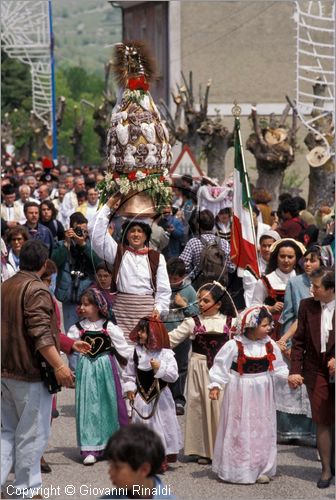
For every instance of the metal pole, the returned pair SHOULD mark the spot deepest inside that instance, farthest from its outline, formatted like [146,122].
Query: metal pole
[53,90]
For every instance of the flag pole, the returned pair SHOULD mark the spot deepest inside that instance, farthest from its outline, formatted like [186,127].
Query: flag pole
[236,112]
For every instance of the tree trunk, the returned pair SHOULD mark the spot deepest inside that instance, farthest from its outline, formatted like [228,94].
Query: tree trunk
[215,151]
[271,180]
[274,150]
[321,186]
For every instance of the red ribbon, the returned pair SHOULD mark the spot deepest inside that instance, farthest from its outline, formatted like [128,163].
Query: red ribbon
[241,360]
[143,251]
[138,83]
[270,355]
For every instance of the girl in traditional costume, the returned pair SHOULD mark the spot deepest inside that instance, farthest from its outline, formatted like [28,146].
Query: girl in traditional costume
[270,289]
[146,380]
[245,449]
[208,331]
[100,408]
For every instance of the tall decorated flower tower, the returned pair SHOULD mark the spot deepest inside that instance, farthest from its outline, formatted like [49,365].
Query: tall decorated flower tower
[138,149]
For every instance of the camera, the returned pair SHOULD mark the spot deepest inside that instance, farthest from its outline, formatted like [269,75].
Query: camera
[76,276]
[79,232]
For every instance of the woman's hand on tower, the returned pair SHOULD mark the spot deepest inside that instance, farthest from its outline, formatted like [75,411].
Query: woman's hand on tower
[114,201]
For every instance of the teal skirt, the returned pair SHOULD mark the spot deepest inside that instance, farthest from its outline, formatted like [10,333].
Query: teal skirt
[96,403]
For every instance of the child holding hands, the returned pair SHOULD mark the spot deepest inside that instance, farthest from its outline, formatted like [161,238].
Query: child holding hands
[245,448]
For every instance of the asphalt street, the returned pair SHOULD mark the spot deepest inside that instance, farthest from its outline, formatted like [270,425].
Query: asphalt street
[298,470]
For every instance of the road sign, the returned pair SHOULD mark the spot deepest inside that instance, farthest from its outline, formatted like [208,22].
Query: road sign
[186,164]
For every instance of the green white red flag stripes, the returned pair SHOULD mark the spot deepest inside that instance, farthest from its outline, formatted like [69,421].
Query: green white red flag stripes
[243,240]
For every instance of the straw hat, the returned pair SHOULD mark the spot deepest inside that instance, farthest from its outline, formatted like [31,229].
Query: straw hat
[318,156]
[276,135]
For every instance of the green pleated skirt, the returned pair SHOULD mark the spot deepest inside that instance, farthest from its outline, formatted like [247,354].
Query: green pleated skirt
[96,403]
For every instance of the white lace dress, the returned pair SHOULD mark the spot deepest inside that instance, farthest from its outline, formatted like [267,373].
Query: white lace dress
[245,446]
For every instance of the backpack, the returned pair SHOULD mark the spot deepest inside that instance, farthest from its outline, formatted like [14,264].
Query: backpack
[212,266]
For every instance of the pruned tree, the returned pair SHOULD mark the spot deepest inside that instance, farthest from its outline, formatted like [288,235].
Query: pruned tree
[273,146]
[319,142]
[216,141]
[188,119]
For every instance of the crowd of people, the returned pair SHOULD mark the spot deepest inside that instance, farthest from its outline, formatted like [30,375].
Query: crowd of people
[153,332]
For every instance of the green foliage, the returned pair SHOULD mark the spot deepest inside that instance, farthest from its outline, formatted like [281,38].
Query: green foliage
[15,84]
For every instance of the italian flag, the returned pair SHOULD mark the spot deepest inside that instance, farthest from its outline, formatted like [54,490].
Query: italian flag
[243,246]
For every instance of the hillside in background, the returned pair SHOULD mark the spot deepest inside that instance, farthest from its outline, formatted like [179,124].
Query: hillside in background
[82,30]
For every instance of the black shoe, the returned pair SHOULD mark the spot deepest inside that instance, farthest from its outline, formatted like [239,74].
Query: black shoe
[45,467]
[324,483]
[55,413]
[179,409]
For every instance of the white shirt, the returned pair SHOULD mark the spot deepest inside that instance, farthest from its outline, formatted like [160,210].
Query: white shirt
[91,210]
[219,374]
[326,322]
[278,281]
[134,274]
[68,207]
[249,282]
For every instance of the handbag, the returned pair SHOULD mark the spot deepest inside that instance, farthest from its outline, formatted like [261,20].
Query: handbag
[48,375]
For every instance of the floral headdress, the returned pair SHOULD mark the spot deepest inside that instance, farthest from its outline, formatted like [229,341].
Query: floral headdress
[99,300]
[250,318]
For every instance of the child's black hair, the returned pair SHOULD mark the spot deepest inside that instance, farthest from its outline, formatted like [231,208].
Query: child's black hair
[176,267]
[220,295]
[135,445]
[143,325]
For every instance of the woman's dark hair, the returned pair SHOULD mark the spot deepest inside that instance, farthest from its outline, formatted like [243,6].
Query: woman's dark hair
[273,262]
[33,255]
[316,251]
[15,231]
[289,205]
[176,267]
[312,232]
[51,207]
[301,202]
[135,445]
[328,277]
[226,210]
[127,225]
[206,220]
[220,295]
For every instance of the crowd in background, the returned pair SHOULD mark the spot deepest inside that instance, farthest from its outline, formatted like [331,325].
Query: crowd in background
[59,206]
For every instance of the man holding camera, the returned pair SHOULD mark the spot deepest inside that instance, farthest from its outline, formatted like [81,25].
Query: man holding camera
[76,263]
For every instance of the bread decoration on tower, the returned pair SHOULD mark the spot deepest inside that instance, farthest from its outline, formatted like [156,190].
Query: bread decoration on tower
[138,149]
